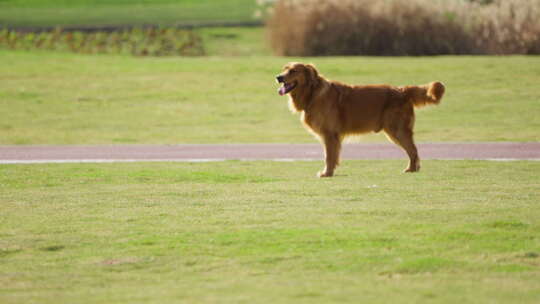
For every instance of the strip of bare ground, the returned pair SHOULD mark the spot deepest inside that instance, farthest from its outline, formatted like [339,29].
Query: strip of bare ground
[216,152]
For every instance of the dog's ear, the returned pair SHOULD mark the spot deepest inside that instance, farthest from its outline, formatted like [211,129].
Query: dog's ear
[313,75]
[288,65]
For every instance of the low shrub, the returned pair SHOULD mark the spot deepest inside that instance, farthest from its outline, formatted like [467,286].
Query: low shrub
[404,27]
[508,27]
[139,42]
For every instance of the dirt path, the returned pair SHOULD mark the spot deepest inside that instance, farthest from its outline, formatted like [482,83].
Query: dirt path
[128,153]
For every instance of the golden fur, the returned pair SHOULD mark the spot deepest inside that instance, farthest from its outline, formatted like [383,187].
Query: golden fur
[333,110]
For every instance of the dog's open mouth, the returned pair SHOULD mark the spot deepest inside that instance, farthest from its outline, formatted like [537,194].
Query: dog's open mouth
[286,88]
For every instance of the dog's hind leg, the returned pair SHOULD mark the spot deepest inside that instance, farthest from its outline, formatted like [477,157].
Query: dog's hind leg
[404,139]
[332,149]
[400,131]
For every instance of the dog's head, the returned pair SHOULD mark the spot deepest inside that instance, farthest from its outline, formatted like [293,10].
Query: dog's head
[296,75]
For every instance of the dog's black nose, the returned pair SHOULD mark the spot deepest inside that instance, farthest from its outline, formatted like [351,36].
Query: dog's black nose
[279,78]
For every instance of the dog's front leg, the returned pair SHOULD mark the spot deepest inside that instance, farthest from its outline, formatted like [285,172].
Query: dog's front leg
[332,147]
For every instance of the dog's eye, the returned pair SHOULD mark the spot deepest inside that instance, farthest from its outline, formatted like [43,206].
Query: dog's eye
[292,71]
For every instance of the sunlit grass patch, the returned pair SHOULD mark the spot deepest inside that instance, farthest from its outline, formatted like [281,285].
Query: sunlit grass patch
[458,230]
[60,98]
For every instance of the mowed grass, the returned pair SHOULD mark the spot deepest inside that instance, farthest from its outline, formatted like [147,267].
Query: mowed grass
[60,98]
[270,232]
[37,13]
[234,41]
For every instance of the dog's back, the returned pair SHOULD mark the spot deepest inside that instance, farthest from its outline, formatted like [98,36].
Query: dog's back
[357,109]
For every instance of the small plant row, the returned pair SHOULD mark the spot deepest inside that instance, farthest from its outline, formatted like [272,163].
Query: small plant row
[138,42]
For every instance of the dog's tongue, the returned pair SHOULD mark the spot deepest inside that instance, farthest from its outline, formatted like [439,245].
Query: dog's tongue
[283,90]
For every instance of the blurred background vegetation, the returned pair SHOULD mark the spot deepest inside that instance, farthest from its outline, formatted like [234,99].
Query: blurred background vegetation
[139,27]
[293,27]
[405,27]
[203,70]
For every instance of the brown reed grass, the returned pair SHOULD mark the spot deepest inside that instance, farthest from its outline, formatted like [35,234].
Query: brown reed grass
[404,27]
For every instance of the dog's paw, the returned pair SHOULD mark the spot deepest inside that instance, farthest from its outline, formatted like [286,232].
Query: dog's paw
[411,170]
[324,174]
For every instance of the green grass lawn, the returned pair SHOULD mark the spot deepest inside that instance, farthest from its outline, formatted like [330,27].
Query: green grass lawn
[124,12]
[270,232]
[234,41]
[61,98]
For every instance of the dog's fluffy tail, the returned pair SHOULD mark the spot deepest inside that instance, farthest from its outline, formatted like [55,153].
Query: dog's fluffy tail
[424,95]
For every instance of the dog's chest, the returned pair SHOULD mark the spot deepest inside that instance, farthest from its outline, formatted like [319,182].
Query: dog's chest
[311,122]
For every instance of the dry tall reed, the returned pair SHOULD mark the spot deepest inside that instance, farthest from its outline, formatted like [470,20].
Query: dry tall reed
[404,27]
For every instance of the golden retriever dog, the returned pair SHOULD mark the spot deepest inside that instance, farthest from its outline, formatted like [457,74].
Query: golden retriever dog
[332,110]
